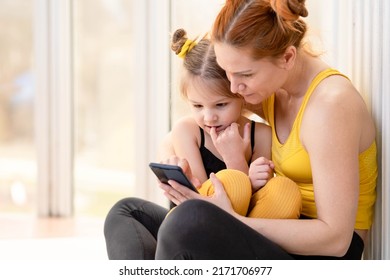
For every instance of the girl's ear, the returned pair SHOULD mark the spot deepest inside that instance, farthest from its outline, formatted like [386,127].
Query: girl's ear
[289,57]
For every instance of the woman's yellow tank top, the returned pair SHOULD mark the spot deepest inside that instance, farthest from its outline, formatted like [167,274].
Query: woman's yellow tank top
[292,160]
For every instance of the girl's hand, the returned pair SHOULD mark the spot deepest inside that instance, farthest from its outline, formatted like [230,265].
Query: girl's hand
[183,163]
[260,172]
[229,142]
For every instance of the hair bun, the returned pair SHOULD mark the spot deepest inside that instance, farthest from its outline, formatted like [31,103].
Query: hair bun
[298,7]
[178,40]
[289,10]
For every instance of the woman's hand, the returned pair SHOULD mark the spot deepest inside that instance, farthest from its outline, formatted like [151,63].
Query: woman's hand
[178,193]
[182,193]
[260,172]
[219,197]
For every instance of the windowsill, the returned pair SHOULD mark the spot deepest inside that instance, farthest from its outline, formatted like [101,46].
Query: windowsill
[26,237]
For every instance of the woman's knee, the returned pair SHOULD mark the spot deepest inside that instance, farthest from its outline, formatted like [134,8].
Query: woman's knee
[126,206]
[182,217]
[184,222]
[121,208]
[139,209]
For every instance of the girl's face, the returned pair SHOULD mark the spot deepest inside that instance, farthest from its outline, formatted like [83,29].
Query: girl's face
[212,109]
[255,80]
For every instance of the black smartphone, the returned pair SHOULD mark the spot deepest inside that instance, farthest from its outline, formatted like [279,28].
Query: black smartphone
[165,172]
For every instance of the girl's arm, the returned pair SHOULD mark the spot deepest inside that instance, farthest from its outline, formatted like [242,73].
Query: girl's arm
[185,141]
[261,169]
[166,149]
[263,141]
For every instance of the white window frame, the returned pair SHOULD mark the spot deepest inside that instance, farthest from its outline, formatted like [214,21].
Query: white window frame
[54,99]
[153,92]
[53,107]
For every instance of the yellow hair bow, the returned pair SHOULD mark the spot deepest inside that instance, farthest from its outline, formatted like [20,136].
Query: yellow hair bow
[187,47]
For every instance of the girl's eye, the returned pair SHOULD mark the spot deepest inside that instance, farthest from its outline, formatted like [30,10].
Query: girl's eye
[198,106]
[221,104]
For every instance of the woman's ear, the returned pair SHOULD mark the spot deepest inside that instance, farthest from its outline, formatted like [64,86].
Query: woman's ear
[289,57]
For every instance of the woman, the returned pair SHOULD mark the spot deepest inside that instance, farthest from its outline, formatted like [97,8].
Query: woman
[323,138]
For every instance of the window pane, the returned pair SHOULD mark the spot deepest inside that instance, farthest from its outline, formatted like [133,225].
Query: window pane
[17,153]
[104,121]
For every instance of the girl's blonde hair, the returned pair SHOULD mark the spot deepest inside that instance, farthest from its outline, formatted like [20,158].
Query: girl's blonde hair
[200,65]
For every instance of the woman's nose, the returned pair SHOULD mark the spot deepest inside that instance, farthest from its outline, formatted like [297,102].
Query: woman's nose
[235,85]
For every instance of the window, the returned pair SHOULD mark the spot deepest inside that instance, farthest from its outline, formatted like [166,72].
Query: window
[104,104]
[17,151]
[103,97]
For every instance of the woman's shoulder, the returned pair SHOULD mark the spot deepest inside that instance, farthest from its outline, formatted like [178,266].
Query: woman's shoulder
[335,92]
[338,106]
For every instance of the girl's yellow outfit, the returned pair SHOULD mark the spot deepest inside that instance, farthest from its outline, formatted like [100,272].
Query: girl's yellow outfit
[292,161]
[278,199]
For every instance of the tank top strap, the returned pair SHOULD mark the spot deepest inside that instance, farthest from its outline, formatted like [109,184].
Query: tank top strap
[201,137]
[253,128]
[318,79]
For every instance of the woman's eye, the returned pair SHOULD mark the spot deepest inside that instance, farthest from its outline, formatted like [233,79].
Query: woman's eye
[247,75]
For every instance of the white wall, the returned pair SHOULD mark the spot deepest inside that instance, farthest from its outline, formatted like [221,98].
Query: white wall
[356,34]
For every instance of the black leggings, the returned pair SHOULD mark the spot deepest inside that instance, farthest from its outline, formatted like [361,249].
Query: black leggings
[138,229]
